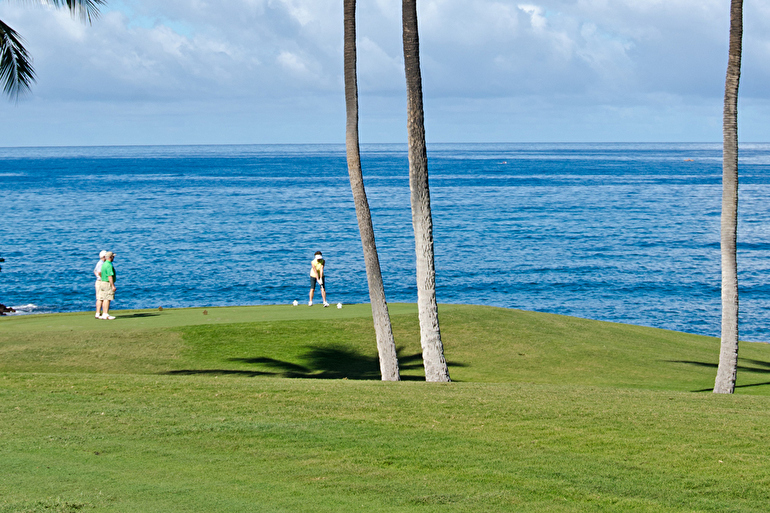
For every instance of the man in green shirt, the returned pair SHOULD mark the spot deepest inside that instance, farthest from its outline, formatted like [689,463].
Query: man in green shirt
[107,286]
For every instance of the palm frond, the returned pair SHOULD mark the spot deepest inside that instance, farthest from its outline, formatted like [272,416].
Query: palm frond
[16,72]
[87,10]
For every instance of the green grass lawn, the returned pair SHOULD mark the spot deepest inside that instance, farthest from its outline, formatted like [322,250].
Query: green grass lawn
[280,408]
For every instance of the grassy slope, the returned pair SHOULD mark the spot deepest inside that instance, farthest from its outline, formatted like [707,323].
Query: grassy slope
[180,411]
[482,344]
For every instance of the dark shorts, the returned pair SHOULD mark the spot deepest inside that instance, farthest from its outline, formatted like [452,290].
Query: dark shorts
[313,281]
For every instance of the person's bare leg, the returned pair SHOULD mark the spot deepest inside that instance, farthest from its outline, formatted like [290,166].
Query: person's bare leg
[323,295]
[312,293]
[106,308]
[98,307]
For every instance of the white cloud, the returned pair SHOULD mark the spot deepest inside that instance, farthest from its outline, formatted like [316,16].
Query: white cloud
[608,56]
[378,71]
[299,11]
[295,65]
[537,20]
[570,54]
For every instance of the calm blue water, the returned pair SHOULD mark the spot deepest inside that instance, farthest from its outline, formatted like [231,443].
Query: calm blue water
[618,232]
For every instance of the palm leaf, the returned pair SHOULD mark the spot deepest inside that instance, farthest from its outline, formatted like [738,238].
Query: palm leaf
[16,72]
[87,10]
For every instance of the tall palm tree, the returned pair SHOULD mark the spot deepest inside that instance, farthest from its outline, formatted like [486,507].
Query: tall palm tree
[728,354]
[430,335]
[16,71]
[386,345]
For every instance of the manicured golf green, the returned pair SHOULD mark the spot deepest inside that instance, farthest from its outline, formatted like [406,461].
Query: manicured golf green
[280,408]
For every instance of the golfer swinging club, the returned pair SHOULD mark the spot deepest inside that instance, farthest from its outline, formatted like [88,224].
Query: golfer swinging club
[317,274]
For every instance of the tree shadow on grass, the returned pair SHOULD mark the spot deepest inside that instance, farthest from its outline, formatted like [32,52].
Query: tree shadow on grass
[320,362]
[135,315]
[736,386]
[759,367]
[217,372]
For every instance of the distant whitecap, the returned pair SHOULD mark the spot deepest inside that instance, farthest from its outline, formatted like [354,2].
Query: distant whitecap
[26,309]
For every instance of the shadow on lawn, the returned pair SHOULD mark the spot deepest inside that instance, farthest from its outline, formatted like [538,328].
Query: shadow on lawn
[136,315]
[321,362]
[759,367]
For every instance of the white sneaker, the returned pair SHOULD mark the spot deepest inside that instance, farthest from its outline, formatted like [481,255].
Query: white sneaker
[326,304]
[309,303]
[97,316]
[107,317]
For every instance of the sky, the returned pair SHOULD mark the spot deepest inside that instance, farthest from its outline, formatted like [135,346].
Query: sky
[270,71]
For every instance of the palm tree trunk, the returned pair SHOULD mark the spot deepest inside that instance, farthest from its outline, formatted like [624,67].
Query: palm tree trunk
[430,336]
[728,355]
[386,345]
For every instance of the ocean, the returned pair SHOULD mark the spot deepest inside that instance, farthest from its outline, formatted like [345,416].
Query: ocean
[618,232]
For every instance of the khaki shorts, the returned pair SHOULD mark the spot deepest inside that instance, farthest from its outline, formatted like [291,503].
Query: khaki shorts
[105,292]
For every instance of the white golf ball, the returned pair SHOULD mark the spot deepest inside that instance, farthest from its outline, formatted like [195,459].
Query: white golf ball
[339,305]
[295,303]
